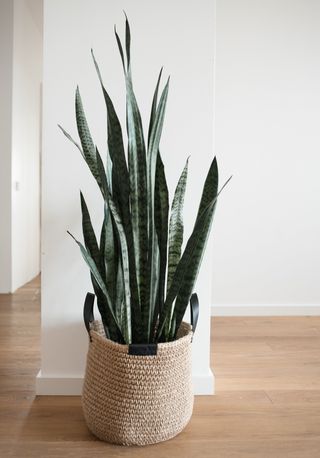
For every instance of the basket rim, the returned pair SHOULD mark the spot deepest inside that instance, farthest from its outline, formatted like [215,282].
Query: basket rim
[95,335]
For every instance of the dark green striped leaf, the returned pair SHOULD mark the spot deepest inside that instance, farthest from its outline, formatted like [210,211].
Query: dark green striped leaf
[176,225]
[98,257]
[161,212]
[120,48]
[192,255]
[128,41]
[154,106]
[102,174]
[210,191]
[108,250]
[88,232]
[210,188]
[87,144]
[125,265]
[137,177]
[161,225]
[121,190]
[120,176]
[96,274]
[153,261]
[119,300]
[108,254]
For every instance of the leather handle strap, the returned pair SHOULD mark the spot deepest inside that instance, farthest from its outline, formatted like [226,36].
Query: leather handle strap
[194,311]
[88,316]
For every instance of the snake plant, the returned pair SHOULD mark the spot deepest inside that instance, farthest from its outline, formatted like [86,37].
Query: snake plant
[141,277]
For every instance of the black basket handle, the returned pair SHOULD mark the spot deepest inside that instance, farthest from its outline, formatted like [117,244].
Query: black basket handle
[194,311]
[88,316]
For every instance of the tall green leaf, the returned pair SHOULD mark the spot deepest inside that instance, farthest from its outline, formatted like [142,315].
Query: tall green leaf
[96,274]
[88,232]
[210,188]
[161,224]
[210,191]
[87,144]
[194,248]
[128,41]
[137,175]
[153,261]
[154,106]
[176,225]
[125,265]
[108,262]
[104,185]
[121,190]
[120,175]
[101,177]
[119,299]
[92,248]
[161,203]
[109,254]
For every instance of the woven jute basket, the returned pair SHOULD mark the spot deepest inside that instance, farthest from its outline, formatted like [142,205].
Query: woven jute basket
[137,399]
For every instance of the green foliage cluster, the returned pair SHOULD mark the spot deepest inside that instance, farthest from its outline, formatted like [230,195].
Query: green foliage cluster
[141,278]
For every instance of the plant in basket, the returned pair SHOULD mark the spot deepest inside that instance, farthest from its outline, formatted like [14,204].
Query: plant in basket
[138,387]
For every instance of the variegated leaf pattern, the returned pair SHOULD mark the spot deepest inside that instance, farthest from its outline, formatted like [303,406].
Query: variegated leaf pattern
[99,280]
[153,249]
[137,176]
[210,192]
[125,266]
[161,202]
[87,144]
[193,251]
[121,195]
[176,225]
[154,106]
[99,258]
[108,254]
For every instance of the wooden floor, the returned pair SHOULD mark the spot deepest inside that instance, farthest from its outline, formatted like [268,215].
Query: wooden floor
[267,401]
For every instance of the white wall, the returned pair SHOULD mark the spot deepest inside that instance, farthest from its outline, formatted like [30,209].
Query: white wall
[176,34]
[6,56]
[27,76]
[266,244]
[21,74]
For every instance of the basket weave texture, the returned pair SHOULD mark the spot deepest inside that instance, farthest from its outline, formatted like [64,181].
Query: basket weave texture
[137,400]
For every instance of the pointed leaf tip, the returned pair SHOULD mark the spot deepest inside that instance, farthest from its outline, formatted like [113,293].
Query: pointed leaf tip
[68,232]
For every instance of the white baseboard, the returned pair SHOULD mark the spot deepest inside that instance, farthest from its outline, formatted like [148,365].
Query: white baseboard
[265,310]
[72,386]
[58,386]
